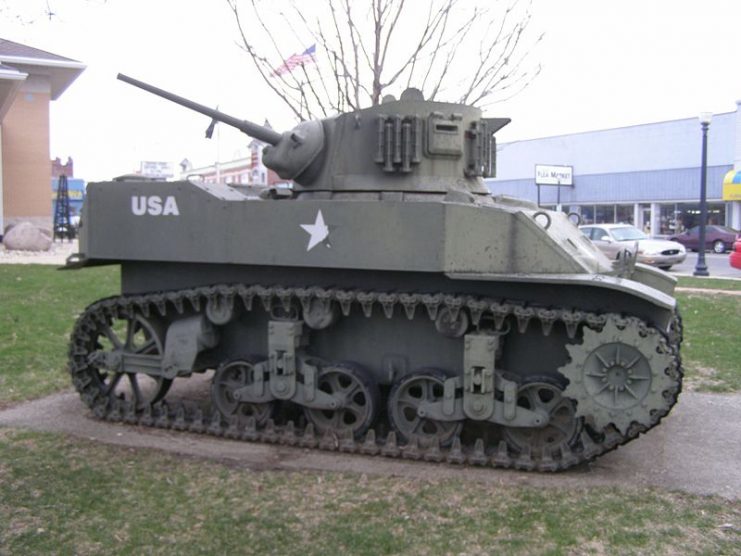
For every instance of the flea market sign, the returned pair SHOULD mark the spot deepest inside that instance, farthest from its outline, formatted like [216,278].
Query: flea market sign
[554,175]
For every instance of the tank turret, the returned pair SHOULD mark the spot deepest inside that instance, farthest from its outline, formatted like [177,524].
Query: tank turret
[408,145]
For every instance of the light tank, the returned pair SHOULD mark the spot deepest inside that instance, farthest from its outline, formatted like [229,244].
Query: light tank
[385,304]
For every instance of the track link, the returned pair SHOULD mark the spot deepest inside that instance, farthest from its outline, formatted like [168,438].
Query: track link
[187,416]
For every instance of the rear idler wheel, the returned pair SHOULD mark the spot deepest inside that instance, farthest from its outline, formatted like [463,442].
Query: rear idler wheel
[562,428]
[359,405]
[133,335]
[407,394]
[229,378]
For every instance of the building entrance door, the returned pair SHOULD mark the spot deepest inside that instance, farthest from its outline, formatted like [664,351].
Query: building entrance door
[646,218]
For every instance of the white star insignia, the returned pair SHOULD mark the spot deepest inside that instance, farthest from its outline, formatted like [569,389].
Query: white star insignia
[318,231]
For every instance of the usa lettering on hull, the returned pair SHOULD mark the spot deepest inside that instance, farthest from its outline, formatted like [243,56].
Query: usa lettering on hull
[154,205]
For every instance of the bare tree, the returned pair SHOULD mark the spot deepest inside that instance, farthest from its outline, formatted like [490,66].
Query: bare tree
[30,13]
[457,50]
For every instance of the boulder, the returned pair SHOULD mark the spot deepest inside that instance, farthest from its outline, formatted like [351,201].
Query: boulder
[24,236]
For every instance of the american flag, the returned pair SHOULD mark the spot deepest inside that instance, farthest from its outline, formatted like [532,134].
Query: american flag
[306,57]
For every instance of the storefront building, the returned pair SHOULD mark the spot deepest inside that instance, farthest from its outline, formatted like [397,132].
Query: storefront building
[646,175]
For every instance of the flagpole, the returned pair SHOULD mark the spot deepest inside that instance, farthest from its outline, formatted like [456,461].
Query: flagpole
[218,154]
[301,105]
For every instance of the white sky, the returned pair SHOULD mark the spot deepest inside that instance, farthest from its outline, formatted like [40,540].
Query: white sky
[605,64]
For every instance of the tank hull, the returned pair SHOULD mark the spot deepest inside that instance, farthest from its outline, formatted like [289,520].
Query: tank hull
[481,327]
[192,222]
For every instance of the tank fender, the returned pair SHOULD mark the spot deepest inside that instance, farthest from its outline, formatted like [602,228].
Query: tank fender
[637,289]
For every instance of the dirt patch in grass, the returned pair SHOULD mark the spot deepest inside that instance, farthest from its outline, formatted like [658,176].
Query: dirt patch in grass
[701,379]
[706,291]
[709,283]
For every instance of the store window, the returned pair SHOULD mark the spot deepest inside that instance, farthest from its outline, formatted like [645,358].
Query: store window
[668,219]
[604,214]
[624,214]
[587,214]
[678,217]
[645,216]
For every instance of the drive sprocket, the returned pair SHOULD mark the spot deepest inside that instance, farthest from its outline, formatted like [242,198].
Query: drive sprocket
[620,374]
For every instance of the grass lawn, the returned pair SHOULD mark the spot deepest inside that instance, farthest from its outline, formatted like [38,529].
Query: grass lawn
[39,306]
[711,351]
[65,496]
[708,283]
[70,496]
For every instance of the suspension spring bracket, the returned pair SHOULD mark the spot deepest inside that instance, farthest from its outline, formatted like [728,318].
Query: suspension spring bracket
[478,375]
[284,339]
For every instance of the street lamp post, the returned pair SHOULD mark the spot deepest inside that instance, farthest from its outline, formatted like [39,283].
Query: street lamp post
[701,268]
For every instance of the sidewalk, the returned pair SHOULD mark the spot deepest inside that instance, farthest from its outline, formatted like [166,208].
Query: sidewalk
[695,449]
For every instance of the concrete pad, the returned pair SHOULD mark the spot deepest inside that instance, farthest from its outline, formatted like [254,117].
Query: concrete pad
[696,449]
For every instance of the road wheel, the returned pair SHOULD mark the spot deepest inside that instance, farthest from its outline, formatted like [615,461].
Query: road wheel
[718,247]
[407,394]
[564,426]
[229,378]
[359,392]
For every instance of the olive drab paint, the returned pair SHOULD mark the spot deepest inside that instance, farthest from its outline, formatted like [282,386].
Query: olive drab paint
[386,267]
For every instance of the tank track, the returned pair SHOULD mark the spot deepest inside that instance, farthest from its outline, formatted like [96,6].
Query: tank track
[193,417]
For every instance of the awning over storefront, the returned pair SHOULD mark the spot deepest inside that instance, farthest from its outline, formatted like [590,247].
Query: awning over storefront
[732,186]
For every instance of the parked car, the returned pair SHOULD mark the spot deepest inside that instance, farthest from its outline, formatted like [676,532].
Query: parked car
[735,258]
[718,238]
[613,239]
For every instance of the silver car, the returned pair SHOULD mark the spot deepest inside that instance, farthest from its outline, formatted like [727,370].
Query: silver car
[613,239]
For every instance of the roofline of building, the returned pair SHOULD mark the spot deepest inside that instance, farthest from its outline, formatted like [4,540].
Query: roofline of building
[585,132]
[680,168]
[30,61]
[225,166]
[627,202]
[62,73]
[12,74]
[15,78]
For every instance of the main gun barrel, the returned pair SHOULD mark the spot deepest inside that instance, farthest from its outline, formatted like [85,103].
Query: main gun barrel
[253,130]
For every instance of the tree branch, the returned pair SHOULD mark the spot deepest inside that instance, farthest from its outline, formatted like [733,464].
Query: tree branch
[466,50]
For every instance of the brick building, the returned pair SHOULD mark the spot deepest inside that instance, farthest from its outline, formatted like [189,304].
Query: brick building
[29,80]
